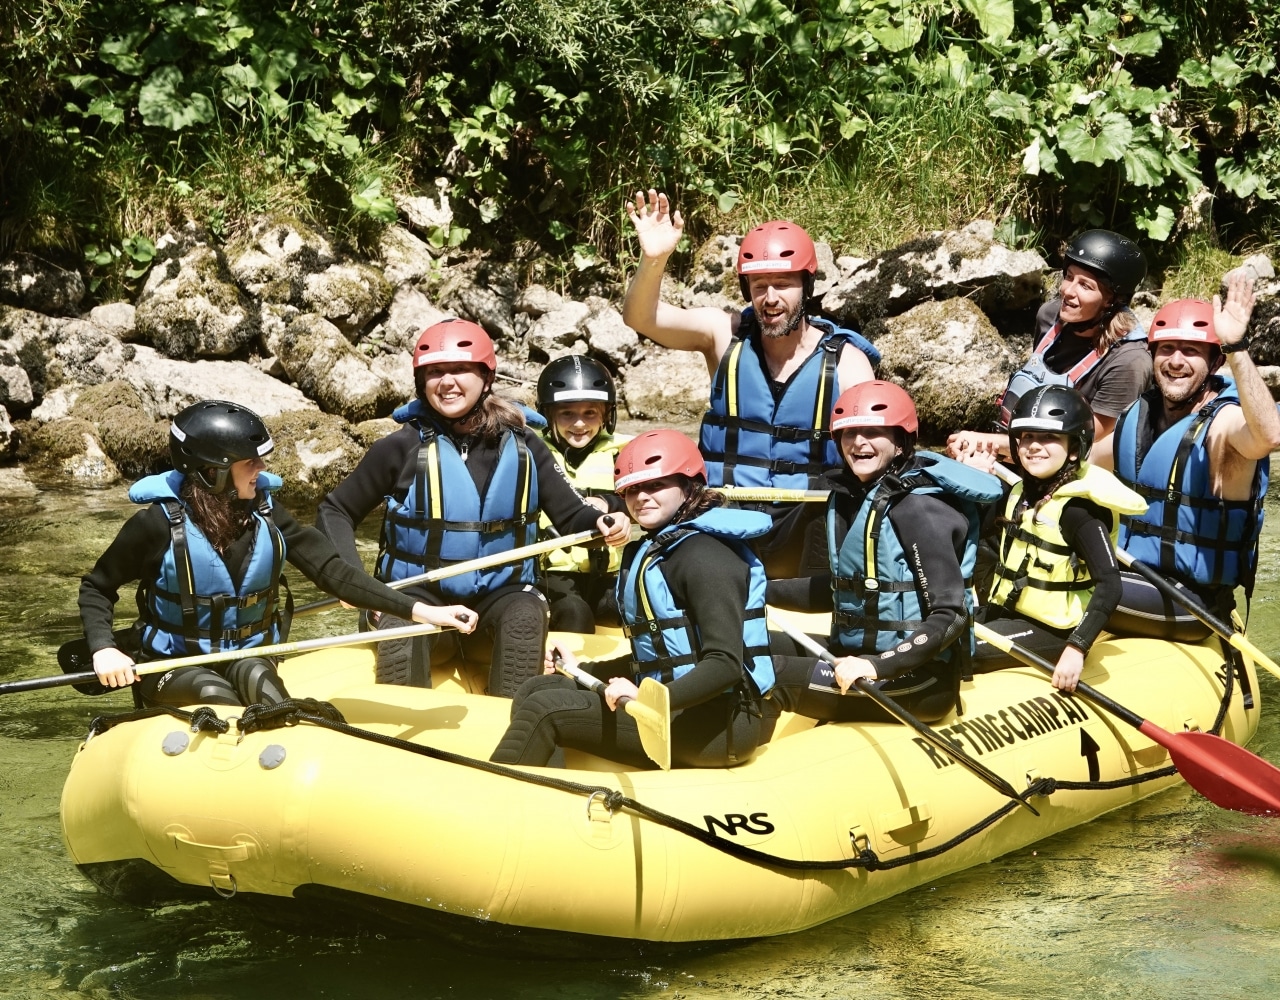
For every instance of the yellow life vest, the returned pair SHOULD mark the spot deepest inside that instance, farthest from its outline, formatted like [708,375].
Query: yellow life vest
[1038,574]
[593,476]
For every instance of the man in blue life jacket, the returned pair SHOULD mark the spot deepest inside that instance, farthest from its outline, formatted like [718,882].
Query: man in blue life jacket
[1197,447]
[776,372]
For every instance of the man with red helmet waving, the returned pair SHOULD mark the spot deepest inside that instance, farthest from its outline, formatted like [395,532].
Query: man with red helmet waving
[463,478]
[776,372]
[1197,447]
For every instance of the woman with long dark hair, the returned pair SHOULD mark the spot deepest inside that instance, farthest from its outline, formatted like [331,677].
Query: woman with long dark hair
[463,478]
[208,551]
[691,595]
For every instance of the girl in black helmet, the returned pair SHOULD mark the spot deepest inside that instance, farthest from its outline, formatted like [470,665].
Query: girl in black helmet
[578,399]
[1086,338]
[208,552]
[1056,580]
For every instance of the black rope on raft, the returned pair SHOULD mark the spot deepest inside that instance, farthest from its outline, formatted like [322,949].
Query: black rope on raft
[326,716]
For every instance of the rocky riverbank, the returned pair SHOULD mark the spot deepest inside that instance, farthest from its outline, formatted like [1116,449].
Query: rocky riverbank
[318,342]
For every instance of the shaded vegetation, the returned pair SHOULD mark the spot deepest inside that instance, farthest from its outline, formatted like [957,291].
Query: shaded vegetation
[868,120]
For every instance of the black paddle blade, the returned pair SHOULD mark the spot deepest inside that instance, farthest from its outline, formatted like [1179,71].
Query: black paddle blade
[1226,774]
[74,658]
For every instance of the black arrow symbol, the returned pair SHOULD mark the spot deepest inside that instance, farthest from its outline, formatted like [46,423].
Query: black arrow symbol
[1089,749]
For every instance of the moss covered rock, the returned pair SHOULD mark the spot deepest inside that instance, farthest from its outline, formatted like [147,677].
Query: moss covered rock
[314,453]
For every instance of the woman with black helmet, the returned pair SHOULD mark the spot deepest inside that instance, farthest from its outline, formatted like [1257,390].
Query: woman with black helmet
[902,530]
[464,477]
[691,593]
[579,400]
[1086,338]
[1056,580]
[208,551]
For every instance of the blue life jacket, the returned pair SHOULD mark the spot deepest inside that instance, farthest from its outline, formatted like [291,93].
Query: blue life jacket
[1187,532]
[193,606]
[876,596]
[748,439]
[665,644]
[437,516]
[1035,373]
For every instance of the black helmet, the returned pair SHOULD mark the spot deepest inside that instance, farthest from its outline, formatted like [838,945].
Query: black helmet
[213,434]
[1056,408]
[577,378]
[1115,257]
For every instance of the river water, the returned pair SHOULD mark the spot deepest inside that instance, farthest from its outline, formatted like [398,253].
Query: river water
[1168,898]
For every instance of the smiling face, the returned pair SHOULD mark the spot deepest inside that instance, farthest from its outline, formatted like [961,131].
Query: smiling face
[869,451]
[244,477]
[453,389]
[1180,367]
[778,299]
[578,423]
[1043,453]
[653,504]
[1084,295]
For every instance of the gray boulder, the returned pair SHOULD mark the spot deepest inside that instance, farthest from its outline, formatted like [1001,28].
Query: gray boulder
[952,361]
[536,301]
[410,312]
[668,387]
[14,484]
[118,319]
[15,388]
[190,307]
[405,258]
[610,339]
[559,332]
[348,295]
[29,282]
[941,265]
[166,386]
[68,451]
[274,257]
[7,439]
[314,452]
[332,372]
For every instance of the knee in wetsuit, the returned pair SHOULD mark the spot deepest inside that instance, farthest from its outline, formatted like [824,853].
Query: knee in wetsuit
[406,662]
[519,629]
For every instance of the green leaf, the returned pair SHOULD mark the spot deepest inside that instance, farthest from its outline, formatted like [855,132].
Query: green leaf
[120,52]
[728,199]
[1226,71]
[346,105]
[353,76]
[558,229]
[372,202]
[584,257]
[895,37]
[160,102]
[1241,180]
[1144,43]
[1011,106]
[140,249]
[1095,141]
[774,137]
[1039,158]
[1195,73]
[1158,224]
[106,109]
[1145,165]
[995,17]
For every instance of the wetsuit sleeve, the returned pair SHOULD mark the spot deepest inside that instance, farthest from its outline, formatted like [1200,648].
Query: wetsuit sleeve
[803,593]
[311,552]
[710,581]
[135,554]
[933,535]
[562,504]
[1086,527]
[368,486]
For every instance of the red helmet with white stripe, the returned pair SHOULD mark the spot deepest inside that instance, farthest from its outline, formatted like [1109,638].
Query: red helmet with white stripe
[454,340]
[874,404]
[1185,319]
[776,246]
[655,454]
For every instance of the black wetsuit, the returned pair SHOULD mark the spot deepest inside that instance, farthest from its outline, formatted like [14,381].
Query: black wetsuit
[511,633]
[932,533]
[136,555]
[1086,527]
[715,721]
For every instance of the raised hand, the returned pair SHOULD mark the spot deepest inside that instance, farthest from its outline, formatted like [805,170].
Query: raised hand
[1231,319]
[658,227]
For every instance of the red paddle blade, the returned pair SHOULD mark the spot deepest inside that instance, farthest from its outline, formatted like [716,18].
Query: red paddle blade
[1227,775]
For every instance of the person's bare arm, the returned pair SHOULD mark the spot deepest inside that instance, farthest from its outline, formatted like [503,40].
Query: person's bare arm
[854,367]
[705,330]
[1253,429]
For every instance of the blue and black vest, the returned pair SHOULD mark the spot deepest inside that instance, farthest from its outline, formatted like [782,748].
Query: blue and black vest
[193,606]
[876,595]
[664,642]
[1187,532]
[749,439]
[437,516]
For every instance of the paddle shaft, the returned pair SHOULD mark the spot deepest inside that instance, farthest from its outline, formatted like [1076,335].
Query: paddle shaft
[932,736]
[226,656]
[768,494]
[470,566]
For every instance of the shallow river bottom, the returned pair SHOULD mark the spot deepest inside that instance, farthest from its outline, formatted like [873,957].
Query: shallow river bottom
[1171,897]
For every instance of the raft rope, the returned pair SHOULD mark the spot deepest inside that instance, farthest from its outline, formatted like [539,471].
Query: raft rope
[320,713]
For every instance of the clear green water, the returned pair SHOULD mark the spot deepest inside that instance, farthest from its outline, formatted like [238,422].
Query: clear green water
[1169,898]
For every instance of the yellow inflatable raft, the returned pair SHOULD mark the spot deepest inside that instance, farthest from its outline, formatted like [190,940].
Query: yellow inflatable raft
[329,817]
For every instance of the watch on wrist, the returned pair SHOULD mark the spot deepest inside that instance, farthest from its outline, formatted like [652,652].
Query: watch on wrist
[1239,345]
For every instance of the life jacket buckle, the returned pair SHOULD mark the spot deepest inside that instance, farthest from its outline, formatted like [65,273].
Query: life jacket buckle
[871,584]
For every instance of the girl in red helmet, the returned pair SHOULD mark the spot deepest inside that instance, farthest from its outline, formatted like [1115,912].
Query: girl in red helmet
[691,594]
[902,534]
[463,478]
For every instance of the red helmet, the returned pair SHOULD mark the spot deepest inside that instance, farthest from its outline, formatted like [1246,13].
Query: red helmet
[874,404]
[454,340]
[776,246]
[1185,319]
[655,454]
